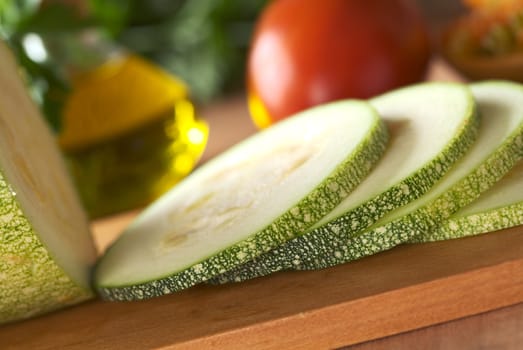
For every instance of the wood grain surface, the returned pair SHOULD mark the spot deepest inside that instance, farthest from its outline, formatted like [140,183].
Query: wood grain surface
[500,330]
[399,290]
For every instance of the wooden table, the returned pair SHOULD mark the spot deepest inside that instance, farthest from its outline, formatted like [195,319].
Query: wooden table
[431,296]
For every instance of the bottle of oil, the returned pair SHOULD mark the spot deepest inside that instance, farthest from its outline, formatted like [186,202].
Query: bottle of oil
[128,128]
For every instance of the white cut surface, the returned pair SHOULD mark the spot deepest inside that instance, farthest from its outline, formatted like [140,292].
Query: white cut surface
[502,117]
[501,206]
[430,122]
[46,251]
[237,194]
[509,190]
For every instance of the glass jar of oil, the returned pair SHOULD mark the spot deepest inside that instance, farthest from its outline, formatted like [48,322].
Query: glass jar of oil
[128,128]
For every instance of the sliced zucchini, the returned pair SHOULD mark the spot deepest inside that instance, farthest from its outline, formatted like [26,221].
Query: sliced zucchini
[498,208]
[497,150]
[252,198]
[431,126]
[46,251]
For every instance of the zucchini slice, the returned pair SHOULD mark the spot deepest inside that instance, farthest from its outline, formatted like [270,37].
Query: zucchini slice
[431,126]
[498,208]
[46,251]
[497,149]
[250,199]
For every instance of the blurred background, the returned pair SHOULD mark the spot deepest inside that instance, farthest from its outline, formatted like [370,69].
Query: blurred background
[123,83]
[118,82]
[204,42]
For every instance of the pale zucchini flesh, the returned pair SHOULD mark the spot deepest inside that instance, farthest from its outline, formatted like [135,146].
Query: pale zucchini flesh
[46,251]
[431,126]
[252,198]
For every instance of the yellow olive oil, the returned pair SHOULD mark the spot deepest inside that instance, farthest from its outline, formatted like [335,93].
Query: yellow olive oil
[129,133]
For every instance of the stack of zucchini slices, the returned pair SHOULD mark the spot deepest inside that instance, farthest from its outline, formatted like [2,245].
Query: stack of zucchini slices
[297,196]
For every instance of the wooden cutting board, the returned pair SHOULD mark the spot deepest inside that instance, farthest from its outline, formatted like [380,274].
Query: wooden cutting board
[399,290]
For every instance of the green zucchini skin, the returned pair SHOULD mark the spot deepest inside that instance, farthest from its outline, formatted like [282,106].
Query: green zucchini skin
[39,272]
[412,226]
[31,283]
[499,208]
[329,193]
[323,246]
[471,225]
[507,158]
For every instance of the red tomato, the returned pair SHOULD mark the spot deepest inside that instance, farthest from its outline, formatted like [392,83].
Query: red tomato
[307,52]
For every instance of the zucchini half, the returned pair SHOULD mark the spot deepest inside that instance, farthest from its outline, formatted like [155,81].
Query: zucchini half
[46,250]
